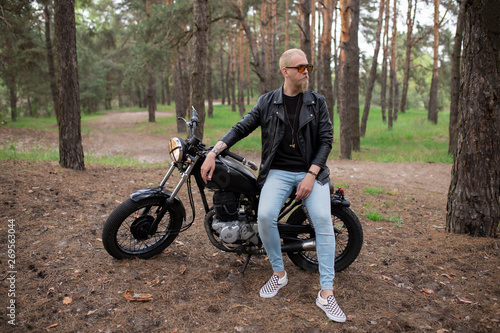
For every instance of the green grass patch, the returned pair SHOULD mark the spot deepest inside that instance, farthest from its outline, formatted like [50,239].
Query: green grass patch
[373,191]
[37,153]
[412,139]
[374,215]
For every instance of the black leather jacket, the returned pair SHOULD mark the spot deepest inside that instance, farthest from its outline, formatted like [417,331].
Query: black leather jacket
[315,134]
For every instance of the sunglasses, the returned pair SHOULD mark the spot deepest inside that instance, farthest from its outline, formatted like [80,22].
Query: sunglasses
[300,68]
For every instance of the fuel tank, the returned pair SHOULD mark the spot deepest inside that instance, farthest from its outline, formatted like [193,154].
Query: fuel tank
[231,175]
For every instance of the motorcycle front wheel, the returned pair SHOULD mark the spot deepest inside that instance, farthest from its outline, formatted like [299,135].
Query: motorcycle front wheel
[348,239]
[126,233]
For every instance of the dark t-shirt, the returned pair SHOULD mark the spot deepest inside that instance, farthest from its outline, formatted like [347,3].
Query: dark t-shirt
[288,156]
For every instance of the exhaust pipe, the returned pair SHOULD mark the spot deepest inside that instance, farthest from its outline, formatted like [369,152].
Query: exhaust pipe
[305,245]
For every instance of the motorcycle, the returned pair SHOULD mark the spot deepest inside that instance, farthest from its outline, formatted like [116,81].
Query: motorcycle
[151,219]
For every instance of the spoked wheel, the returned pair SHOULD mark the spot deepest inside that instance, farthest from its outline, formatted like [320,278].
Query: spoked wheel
[127,232]
[348,239]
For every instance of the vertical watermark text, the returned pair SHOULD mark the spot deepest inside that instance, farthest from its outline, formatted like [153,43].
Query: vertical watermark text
[11,272]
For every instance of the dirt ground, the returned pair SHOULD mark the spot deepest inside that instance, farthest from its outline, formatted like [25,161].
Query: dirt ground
[411,275]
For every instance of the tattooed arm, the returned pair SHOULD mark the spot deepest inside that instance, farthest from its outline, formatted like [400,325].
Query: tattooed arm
[208,167]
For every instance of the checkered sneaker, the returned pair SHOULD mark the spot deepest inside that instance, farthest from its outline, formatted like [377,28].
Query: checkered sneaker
[331,308]
[270,289]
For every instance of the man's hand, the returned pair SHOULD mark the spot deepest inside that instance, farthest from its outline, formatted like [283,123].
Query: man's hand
[208,167]
[306,185]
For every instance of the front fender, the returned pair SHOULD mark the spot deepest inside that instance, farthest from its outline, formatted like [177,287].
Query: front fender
[155,192]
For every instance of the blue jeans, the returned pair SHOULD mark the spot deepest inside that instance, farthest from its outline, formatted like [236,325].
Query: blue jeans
[277,188]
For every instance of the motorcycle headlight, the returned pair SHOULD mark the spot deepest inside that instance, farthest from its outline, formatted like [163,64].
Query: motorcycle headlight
[176,148]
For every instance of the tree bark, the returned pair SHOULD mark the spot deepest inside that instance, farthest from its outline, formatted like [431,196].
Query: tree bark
[50,60]
[151,96]
[325,86]
[410,22]
[433,107]
[305,34]
[392,108]
[385,47]
[349,78]
[198,62]
[222,81]
[455,81]
[241,71]
[474,193]
[373,71]
[70,139]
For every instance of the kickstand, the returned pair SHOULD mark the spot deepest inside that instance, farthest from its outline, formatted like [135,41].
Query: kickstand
[246,264]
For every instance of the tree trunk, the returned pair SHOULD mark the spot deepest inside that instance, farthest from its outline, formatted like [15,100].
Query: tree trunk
[50,61]
[222,85]
[264,21]
[385,47]
[287,24]
[198,62]
[433,107]
[336,86]
[392,110]
[325,86]
[455,81]
[151,96]
[181,88]
[241,70]
[373,71]
[210,93]
[349,78]
[305,34]
[473,198]
[11,79]
[410,22]
[70,139]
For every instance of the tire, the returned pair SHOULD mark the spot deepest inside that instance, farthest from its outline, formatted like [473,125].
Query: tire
[348,239]
[124,234]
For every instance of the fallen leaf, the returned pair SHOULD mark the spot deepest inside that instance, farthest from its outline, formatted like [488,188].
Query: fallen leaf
[427,292]
[131,296]
[67,300]
[385,278]
[465,301]
[182,269]
[442,330]
[90,312]
[447,275]
[52,326]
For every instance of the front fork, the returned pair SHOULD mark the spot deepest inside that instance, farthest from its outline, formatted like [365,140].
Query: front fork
[170,200]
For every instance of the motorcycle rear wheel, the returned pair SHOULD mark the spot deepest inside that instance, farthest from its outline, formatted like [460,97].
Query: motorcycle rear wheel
[125,232]
[348,239]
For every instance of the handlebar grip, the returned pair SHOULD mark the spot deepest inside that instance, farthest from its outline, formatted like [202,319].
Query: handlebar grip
[235,156]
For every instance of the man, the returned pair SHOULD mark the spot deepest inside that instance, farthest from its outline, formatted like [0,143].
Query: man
[296,140]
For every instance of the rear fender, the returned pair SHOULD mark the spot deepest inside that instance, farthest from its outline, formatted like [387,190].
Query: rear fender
[338,202]
[155,192]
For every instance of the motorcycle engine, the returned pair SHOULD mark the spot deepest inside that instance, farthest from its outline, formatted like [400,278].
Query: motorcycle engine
[231,222]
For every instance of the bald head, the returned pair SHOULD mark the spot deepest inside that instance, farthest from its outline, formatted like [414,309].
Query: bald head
[287,56]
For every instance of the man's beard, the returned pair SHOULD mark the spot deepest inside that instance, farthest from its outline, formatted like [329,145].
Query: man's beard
[304,85]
